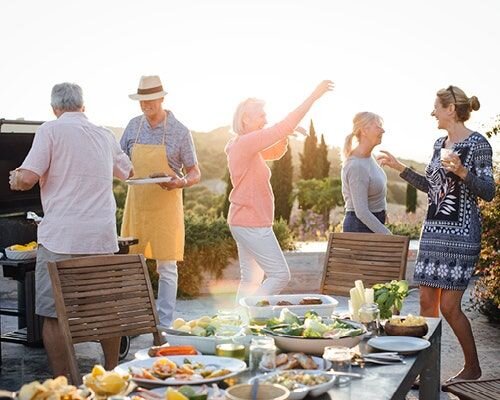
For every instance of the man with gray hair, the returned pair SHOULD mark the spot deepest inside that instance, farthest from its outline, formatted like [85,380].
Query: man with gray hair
[74,161]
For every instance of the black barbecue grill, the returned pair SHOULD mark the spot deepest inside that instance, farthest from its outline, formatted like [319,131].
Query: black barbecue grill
[16,138]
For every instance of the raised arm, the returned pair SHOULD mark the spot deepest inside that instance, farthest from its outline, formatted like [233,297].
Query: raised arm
[257,141]
[276,151]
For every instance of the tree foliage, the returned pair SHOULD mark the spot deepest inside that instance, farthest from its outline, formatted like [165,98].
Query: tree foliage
[487,287]
[308,158]
[281,182]
[323,165]
[320,195]
[225,202]
[411,198]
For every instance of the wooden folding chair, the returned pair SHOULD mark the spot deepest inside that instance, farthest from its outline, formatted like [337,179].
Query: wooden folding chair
[371,257]
[102,297]
[484,389]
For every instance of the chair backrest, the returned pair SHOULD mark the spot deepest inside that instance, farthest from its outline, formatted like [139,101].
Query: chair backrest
[102,297]
[371,257]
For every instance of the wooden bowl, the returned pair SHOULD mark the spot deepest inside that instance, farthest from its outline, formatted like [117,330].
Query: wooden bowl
[265,392]
[401,330]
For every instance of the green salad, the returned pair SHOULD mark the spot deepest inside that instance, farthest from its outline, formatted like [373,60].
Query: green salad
[311,326]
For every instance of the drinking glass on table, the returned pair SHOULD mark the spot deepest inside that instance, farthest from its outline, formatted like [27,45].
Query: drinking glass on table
[229,342]
[228,317]
[262,354]
[340,357]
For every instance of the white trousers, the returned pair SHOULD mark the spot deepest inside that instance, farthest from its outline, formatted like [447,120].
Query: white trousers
[167,290]
[260,254]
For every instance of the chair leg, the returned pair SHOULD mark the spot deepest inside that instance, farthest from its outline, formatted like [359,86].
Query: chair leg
[74,373]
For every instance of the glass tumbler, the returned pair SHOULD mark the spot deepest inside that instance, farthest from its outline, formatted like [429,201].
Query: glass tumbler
[262,355]
[369,316]
[340,357]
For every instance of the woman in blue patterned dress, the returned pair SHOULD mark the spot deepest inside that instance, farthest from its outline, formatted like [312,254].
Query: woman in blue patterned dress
[459,172]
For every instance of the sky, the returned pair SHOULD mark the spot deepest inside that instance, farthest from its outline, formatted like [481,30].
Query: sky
[385,56]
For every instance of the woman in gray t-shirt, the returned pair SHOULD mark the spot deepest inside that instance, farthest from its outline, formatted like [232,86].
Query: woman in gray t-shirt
[364,183]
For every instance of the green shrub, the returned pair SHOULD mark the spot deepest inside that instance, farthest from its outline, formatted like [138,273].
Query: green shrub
[209,247]
[486,294]
[410,230]
[284,235]
[320,195]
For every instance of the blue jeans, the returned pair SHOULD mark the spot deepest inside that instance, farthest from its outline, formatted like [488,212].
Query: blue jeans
[353,224]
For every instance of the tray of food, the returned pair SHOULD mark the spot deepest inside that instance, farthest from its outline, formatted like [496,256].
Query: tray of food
[264,307]
[312,333]
[181,370]
[22,251]
[299,383]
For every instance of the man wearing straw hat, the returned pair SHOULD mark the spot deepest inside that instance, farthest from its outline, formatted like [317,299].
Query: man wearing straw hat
[158,145]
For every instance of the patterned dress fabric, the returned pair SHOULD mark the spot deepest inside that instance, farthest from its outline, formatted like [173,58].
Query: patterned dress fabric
[450,240]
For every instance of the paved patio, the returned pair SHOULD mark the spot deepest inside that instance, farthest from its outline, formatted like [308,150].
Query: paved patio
[23,364]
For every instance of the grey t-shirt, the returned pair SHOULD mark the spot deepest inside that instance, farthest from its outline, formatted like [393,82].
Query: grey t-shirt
[364,187]
[178,140]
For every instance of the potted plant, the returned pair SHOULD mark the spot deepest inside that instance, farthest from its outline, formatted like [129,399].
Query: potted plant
[390,296]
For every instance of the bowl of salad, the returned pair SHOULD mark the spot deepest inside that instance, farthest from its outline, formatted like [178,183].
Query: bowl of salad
[312,333]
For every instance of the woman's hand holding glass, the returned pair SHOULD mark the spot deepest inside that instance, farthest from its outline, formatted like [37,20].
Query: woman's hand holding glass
[452,163]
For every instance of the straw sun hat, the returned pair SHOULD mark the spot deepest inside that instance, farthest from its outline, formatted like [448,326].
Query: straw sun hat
[150,88]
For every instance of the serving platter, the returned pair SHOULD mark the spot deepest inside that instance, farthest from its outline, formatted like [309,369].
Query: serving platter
[210,362]
[148,181]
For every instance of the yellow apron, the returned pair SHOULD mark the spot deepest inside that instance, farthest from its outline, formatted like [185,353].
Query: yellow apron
[153,215]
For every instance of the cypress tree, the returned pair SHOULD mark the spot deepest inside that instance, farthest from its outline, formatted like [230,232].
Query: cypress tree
[411,198]
[281,182]
[323,165]
[225,204]
[308,159]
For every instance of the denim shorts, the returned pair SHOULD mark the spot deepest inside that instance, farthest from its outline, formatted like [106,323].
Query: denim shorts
[353,224]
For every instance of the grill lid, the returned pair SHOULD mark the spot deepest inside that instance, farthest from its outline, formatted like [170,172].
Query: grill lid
[16,137]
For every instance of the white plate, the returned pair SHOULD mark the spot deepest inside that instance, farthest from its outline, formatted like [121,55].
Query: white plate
[236,366]
[161,391]
[148,181]
[142,354]
[304,390]
[400,344]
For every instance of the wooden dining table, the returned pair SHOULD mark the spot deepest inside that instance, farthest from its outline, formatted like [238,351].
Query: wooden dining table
[391,382]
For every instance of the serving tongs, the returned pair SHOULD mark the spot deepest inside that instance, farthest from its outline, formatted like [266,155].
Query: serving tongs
[175,332]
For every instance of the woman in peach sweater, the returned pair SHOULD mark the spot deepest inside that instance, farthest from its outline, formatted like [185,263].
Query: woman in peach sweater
[251,212]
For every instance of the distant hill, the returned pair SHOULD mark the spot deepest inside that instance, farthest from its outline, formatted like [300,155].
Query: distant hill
[210,150]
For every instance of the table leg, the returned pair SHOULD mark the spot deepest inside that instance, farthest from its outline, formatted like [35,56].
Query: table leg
[33,321]
[430,377]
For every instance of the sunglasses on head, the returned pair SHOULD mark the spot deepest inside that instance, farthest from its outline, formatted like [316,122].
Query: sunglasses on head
[450,89]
